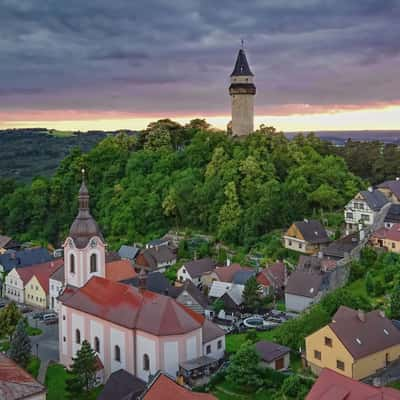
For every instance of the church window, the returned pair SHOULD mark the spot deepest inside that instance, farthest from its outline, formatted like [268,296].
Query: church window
[93,263]
[117,353]
[97,344]
[146,362]
[72,264]
[78,336]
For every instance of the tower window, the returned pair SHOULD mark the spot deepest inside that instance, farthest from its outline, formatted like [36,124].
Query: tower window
[93,263]
[72,264]
[117,353]
[78,336]
[146,362]
[97,344]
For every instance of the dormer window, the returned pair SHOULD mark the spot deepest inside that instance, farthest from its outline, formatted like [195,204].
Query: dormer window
[386,332]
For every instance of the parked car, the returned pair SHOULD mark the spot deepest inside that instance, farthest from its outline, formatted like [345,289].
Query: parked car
[39,315]
[25,309]
[51,321]
[50,318]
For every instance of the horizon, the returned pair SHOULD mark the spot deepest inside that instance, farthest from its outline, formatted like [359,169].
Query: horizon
[318,65]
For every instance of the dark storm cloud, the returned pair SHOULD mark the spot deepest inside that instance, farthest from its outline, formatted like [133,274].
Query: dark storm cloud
[176,55]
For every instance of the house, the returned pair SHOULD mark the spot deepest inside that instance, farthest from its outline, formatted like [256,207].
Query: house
[364,209]
[307,236]
[391,190]
[343,247]
[194,270]
[128,252]
[129,328]
[333,386]
[155,258]
[7,243]
[392,216]
[191,296]
[17,384]
[387,238]
[157,243]
[121,385]
[273,355]
[221,274]
[303,288]
[355,344]
[56,286]
[213,340]
[164,387]
[23,258]
[120,270]
[155,282]
[273,279]
[17,279]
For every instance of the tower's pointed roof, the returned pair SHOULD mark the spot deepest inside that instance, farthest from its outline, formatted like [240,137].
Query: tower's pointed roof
[242,66]
[85,226]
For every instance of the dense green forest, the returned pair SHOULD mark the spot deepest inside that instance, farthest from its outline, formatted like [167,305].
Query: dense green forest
[184,177]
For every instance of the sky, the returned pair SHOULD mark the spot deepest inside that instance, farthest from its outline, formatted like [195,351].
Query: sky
[101,64]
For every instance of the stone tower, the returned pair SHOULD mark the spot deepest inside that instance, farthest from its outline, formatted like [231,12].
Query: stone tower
[242,91]
[84,248]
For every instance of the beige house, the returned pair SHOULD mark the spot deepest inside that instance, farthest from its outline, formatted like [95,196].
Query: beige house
[35,294]
[354,344]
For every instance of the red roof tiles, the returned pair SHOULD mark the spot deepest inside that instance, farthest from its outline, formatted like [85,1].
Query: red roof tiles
[164,388]
[120,270]
[135,309]
[333,386]
[392,233]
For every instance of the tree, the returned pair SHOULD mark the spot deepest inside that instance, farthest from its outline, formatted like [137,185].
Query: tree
[369,283]
[9,317]
[244,367]
[20,347]
[217,306]
[83,371]
[395,303]
[294,387]
[251,294]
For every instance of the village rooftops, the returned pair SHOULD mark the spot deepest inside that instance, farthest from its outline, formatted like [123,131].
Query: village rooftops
[155,282]
[339,248]
[364,333]
[211,331]
[393,186]
[333,386]
[24,258]
[269,351]
[132,308]
[192,289]
[374,198]
[128,252]
[304,283]
[392,233]
[197,268]
[120,270]
[154,256]
[393,214]
[313,231]
[16,383]
[59,274]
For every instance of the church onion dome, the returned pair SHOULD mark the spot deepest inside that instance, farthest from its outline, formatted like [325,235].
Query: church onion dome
[85,226]
[242,66]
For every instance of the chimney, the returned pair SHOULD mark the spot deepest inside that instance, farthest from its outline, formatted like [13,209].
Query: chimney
[228,262]
[306,220]
[382,313]
[142,280]
[370,189]
[361,315]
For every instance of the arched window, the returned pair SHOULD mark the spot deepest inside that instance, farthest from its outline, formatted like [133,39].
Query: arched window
[146,362]
[117,353]
[78,336]
[72,264]
[97,344]
[93,263]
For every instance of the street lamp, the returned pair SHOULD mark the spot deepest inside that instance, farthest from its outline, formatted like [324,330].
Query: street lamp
[37,350]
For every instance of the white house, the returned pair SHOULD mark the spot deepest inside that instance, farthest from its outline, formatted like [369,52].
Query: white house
[14,287]
[56,285]
[194,270]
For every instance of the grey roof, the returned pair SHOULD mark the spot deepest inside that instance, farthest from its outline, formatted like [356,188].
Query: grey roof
[158,255]
[128,252]
[157,242]
[304,283]
[242,276]
[211,331]
[191,289]
[58,274]
[199,362]
[241,66]
[375,199]
[155,282]
[340,247]
[121,385]
[197,268]
[393,185]
[24,258]
[393,214]
[4,240]
[270,351]
[313,231]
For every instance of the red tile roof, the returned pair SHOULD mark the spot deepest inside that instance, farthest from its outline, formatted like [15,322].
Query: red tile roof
[16,383]
[164,388]
[225,274]
[120,270]
[130,307]
[41,271]
[263,280]
[333,386]
[392,233]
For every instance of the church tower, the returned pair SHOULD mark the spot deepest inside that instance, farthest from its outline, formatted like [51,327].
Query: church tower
[242,91]
[84,248]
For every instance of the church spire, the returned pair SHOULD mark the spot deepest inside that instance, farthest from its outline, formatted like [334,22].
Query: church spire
[241,66]
[83,195]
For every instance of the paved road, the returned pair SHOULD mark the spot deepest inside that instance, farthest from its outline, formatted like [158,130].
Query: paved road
[47,341]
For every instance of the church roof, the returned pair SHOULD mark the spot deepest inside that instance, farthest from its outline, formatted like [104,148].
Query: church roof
[133,308]
[242,66]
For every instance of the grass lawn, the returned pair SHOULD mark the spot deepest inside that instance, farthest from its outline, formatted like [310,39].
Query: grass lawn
[32,331]
[227,391]
[395,385]
[234,341]
[33,366]
[4,345]
[55,383]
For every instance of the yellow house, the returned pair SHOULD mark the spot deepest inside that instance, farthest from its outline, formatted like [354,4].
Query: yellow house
[354,344]
[306,236]
[388,238]
[35,295]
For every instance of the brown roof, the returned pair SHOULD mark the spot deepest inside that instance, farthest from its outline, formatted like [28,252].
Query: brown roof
[331,385]
[155,255]
[276,274]
[132,308]
[304,283]
[392,233]
[58,274]
[165,388]
[16,383]
[211,331]
[197,268]
[393,186]
[313,231]
[340,247]
[120,270]
[192,290]
[364,337]
[4,240]
[270,351]
[225,274]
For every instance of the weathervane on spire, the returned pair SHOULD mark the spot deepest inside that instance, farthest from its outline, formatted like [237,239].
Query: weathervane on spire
[83,174]
[242,43]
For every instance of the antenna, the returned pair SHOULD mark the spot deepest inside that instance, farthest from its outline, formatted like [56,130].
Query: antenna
[242,43]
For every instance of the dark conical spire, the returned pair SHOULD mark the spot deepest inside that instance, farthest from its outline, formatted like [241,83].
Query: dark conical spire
[242,66]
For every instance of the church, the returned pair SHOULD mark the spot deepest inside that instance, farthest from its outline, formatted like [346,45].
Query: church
[129,328]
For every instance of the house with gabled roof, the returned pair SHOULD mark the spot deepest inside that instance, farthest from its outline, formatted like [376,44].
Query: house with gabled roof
[23,258]
[8,243]
[195,269]
[308,237]
[191,296]
[157,258]
[392,216]
[391,189]
[355,344]
[273,279]
[387,238]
